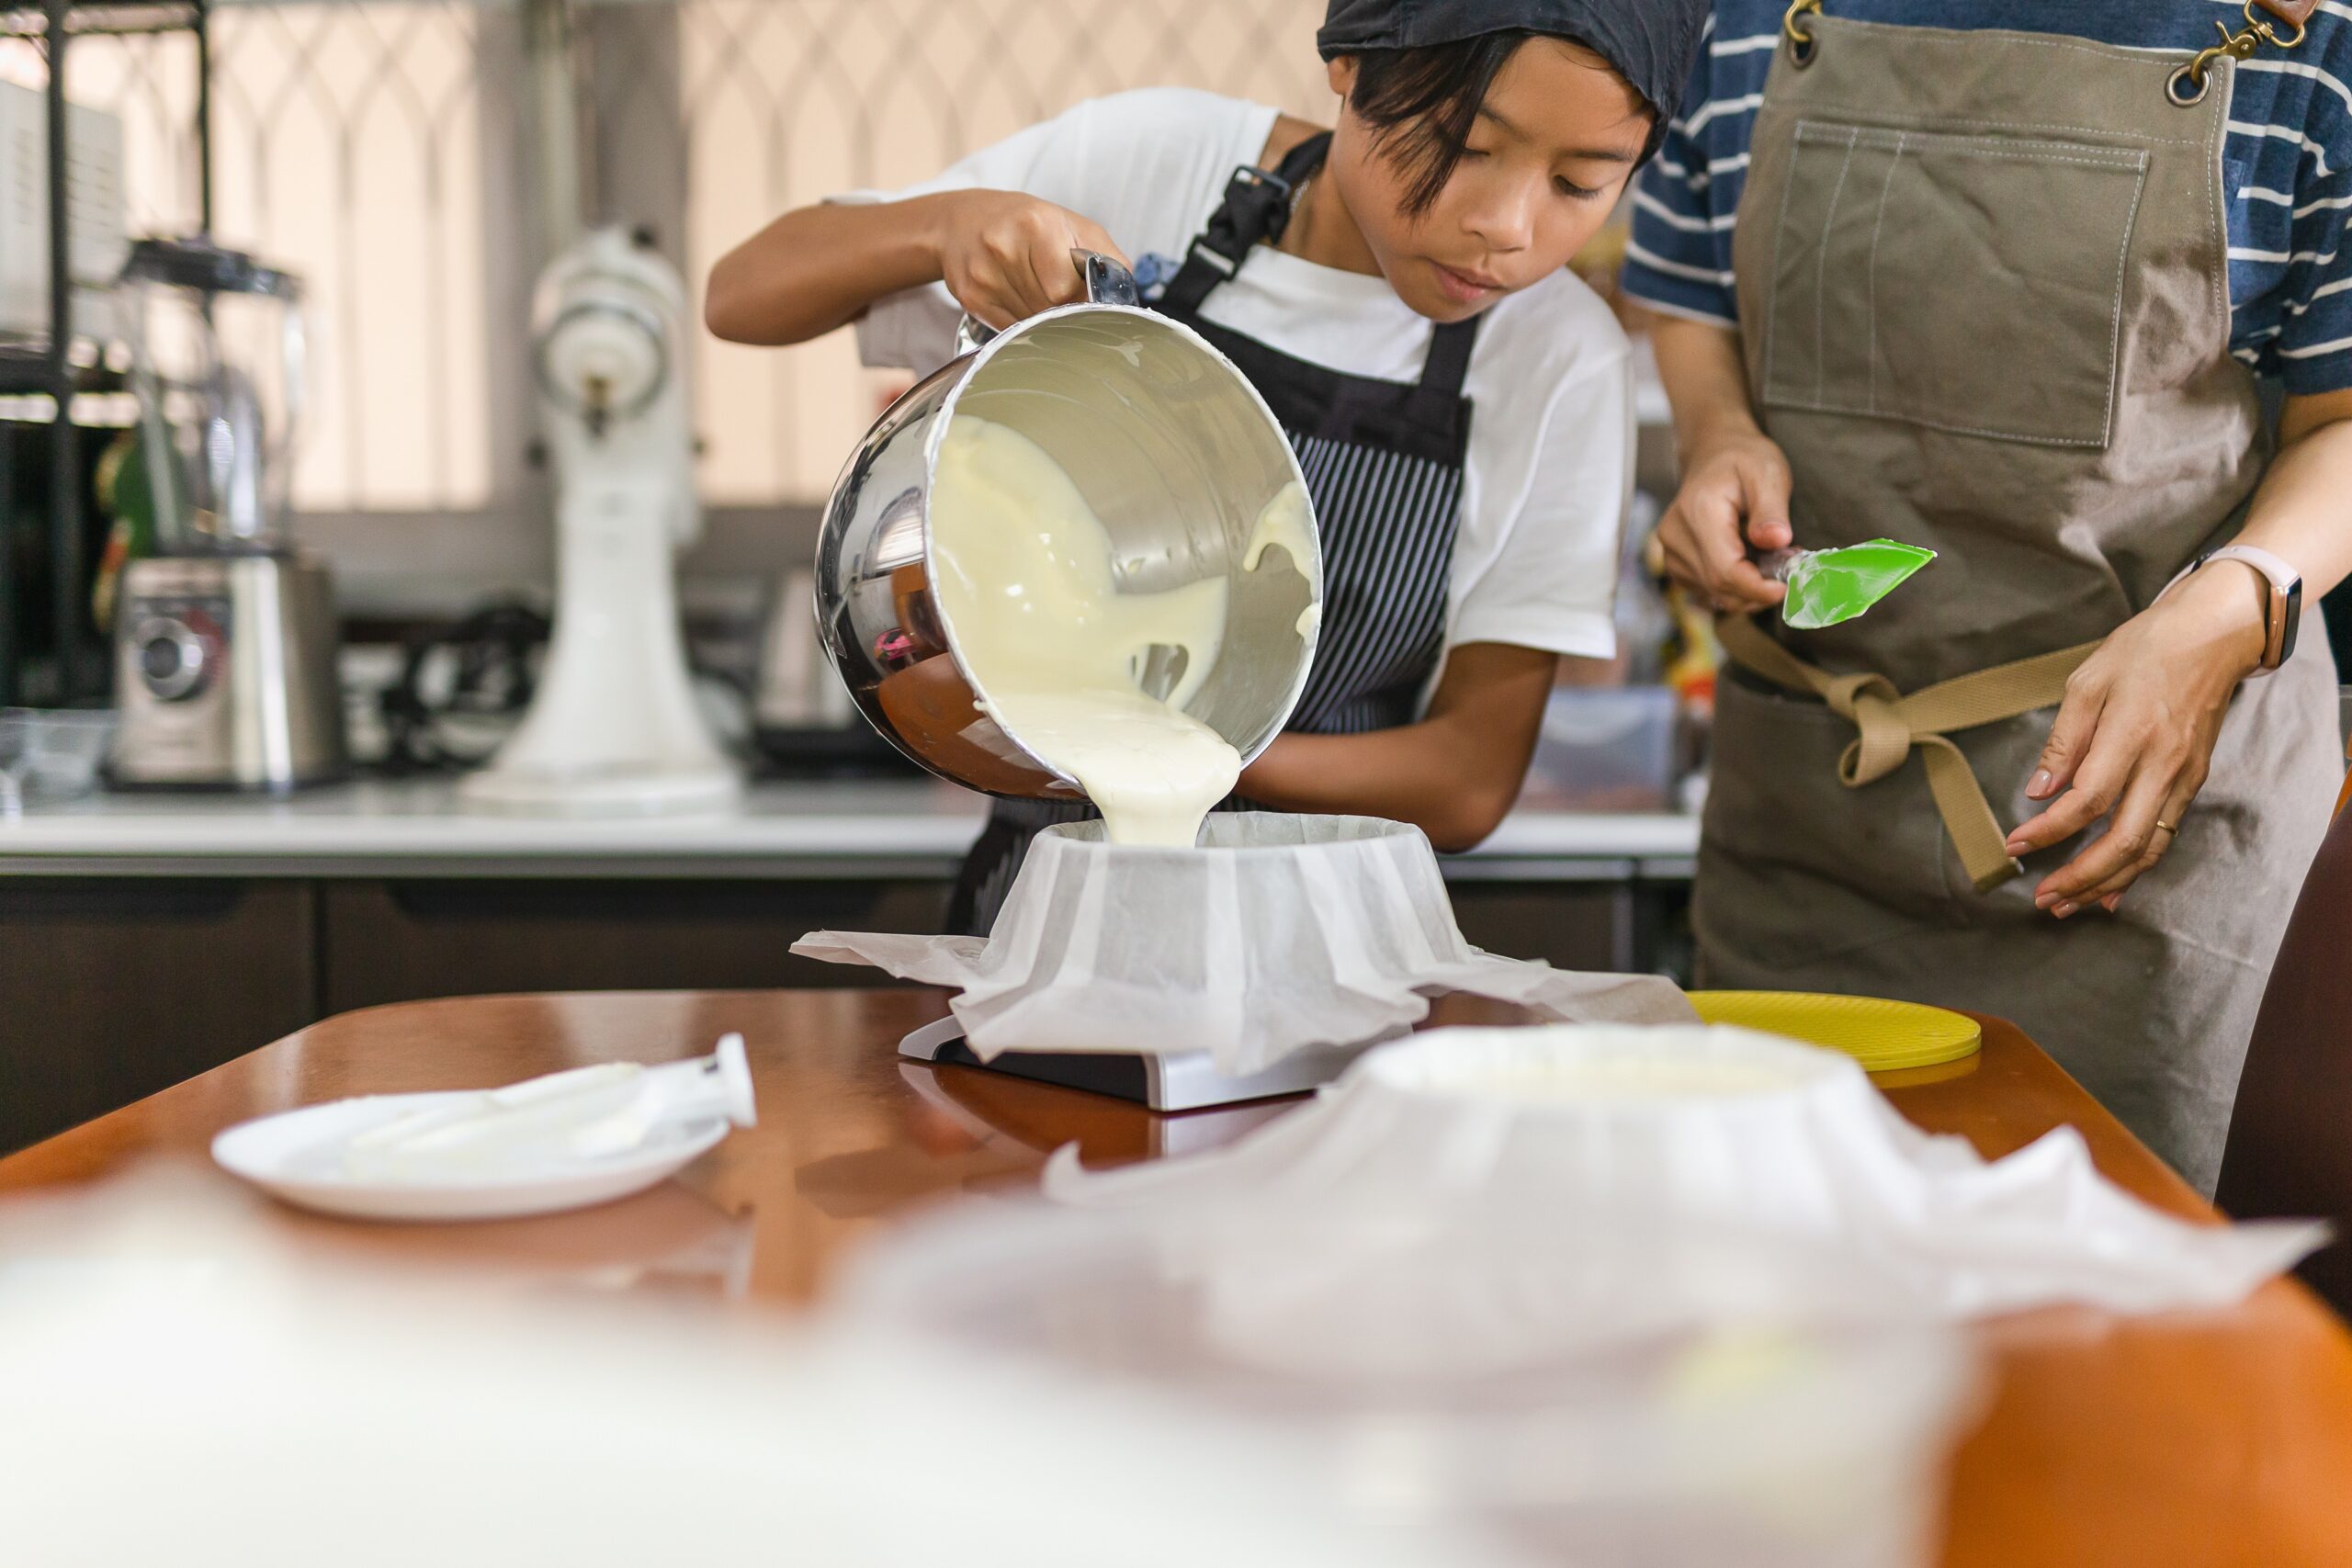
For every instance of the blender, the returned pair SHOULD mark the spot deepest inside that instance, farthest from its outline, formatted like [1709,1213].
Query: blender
[226,639]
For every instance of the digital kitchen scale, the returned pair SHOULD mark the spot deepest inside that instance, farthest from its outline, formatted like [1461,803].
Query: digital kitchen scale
[1186,1082]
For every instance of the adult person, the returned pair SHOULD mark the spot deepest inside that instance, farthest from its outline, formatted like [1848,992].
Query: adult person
[2009,279]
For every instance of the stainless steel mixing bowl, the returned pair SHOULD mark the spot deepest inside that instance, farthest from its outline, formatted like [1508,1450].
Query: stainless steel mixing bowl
[1172,448]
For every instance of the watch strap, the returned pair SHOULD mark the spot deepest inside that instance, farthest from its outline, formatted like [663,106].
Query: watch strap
[2282,576]
[2280,604]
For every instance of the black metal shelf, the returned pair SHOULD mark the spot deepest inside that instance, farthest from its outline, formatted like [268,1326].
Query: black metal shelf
[25,370]
[106,16]
[79,663]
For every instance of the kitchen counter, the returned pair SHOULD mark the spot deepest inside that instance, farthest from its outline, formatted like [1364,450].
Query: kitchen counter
[882,828]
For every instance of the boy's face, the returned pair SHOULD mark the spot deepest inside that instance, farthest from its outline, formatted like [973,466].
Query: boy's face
[1554,143]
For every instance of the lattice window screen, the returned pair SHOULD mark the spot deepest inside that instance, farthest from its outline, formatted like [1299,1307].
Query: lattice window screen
[347,146]
[786,101]
[347,142]
[363,143]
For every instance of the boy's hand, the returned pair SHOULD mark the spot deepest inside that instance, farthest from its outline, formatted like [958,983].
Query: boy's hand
[1006,256]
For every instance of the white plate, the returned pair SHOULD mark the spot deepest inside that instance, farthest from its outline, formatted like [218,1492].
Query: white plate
[281,1155]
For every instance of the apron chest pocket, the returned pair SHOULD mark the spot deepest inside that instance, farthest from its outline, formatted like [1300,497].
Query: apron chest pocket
[1967,284]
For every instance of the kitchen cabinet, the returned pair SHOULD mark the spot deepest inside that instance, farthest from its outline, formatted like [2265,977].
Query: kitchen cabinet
[145,939]
[403,941]
[1576,925]
[113,988]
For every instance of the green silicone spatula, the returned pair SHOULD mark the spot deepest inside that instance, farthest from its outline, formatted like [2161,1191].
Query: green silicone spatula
[1829,586]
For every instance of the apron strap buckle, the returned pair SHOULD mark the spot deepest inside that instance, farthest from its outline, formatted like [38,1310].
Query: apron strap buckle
[1256,207]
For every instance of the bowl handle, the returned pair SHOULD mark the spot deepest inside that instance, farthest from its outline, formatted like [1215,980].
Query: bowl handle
[1107,283]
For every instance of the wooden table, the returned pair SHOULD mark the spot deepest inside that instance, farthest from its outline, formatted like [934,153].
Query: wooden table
[2194,1439]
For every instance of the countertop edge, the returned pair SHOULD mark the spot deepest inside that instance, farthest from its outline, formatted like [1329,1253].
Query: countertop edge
[781,829]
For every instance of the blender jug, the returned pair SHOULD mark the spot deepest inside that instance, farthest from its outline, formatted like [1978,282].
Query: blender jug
[218,348]
[226,638]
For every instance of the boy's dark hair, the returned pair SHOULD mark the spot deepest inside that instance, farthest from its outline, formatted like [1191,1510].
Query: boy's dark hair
[1421,103]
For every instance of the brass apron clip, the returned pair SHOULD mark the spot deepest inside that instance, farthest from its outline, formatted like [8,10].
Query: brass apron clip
[2187,85]
[1797,36]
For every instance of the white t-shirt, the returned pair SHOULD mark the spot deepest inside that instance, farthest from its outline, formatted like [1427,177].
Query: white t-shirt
[1551,456]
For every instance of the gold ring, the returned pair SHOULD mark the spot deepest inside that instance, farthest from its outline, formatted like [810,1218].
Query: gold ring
[2171,828]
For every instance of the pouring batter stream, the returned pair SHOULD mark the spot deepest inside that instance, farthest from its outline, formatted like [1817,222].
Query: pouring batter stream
[1025,577]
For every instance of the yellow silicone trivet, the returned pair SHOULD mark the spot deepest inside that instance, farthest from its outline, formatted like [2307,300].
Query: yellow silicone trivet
[1882,1035]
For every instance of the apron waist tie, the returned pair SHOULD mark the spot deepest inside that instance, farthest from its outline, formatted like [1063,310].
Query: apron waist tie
[1889,724]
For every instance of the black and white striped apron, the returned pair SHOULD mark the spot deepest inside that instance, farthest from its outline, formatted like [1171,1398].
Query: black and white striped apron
[1383,462]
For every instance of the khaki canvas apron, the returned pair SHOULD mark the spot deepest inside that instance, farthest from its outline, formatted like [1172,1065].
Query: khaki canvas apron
[1982,285]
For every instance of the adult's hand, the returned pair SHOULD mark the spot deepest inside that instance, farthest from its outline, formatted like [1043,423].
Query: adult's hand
[1735,494]
[1734,497]
[1005,257]
[2135,734]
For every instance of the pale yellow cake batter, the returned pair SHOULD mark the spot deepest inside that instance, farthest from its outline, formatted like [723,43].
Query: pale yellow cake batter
[1026,582]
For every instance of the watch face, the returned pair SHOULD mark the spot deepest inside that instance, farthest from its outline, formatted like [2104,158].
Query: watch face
[2294,620]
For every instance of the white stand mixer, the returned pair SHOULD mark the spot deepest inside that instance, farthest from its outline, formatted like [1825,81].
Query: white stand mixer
[613,729]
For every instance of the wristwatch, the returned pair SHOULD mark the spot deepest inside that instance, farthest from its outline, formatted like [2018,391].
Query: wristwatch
[2283,598]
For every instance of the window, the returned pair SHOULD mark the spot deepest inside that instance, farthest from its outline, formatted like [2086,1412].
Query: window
[378,148]
[786,101]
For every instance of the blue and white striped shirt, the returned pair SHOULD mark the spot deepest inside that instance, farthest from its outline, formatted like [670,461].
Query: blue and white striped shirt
[2286,165]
